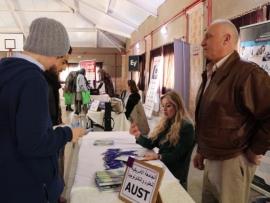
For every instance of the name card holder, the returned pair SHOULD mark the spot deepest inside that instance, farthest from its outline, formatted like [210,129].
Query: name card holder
[141,182]
[94,105]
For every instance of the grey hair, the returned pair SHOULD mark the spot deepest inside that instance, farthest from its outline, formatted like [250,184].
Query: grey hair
[229,25]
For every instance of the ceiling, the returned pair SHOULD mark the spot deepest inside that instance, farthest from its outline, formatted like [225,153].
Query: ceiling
[90,23]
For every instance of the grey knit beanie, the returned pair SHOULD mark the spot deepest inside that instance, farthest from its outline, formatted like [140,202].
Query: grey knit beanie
[47,37]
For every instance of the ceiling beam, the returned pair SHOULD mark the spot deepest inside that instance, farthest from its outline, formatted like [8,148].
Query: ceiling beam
[71,10]
[96,35]
[102,32]
[110,13]
[122,19]
[37,11]
[121,44]
[123,34]
[68,30]
[16,17]
[7,31]
[85,19]
[150,9]
[76,8]
[108,6]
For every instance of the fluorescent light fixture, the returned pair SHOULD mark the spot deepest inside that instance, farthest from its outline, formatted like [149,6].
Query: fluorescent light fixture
[137,46]
[164,30]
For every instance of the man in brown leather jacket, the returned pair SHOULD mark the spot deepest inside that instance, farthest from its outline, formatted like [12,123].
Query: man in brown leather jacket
[232,118]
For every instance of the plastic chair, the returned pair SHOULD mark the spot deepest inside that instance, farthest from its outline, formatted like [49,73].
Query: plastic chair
[185,169]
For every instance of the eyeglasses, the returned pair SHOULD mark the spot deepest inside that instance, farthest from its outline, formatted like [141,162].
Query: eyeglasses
[167,105]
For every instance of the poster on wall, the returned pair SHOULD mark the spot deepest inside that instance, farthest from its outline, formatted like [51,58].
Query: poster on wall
[90,71]
[255,46]
[153,86]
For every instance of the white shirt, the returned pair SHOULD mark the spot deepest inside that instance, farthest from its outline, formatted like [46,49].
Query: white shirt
[30,59]
[211,68]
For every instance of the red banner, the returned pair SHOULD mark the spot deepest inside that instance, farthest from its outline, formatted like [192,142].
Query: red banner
[90,71]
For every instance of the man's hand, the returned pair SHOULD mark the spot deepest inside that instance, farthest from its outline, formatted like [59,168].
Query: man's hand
[254,158]
[77,133]
[198,161]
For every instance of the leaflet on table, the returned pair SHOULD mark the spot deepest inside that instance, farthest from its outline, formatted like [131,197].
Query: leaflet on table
[110,173]
[110,188]
[103,142]
[94,105]
[105,179]
[125,158]
[110,180]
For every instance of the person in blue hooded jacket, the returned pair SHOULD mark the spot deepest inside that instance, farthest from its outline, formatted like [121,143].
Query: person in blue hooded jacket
[29,145]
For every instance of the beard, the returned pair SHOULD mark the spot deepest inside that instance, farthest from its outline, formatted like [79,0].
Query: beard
[53,69]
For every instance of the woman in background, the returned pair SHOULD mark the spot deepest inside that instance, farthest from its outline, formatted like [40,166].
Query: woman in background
[134,109]
[81,86]
[174,136]
[105,79]
[68,87]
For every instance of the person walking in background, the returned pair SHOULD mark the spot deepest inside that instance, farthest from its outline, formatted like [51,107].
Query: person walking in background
[81,86]
[105,78]
[29,145]
[134,109]
[74,90]
[52,78]
[174,136]
[69,87]
[232,118]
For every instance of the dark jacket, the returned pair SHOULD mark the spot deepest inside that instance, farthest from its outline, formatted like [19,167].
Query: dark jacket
[106,78]
[29,146]
[133,99]
[172,156]
[234,112]
[54,86]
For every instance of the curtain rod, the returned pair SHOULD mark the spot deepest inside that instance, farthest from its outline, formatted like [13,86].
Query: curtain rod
[162,45]
[250,10]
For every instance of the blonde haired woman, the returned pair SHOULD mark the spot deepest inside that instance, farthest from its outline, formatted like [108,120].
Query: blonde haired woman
[174,136]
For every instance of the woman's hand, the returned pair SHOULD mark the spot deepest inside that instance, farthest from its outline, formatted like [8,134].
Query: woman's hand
[133,130]
[151,156]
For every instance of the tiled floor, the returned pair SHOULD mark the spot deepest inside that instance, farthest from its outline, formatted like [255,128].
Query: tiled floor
[71,158]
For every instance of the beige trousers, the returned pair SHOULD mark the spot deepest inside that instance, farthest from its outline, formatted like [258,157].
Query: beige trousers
[227,181]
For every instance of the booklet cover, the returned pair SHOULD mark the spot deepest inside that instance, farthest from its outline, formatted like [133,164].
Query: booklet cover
[103,142]
[109,188]
[110,173]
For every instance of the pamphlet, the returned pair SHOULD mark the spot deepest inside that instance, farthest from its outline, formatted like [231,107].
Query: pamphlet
[103,142]
[109,180]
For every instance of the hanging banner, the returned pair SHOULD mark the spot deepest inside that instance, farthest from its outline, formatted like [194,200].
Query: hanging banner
[90,71]
[153,86]
[255,46]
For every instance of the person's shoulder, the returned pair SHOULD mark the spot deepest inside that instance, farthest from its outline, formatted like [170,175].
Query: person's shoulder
[187,124]
[135,95]
[249,67]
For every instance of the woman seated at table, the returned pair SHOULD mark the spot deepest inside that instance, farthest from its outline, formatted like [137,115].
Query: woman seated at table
[134,109]
[174,136]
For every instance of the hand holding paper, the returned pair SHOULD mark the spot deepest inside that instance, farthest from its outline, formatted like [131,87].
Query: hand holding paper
[151,156]
[133,130]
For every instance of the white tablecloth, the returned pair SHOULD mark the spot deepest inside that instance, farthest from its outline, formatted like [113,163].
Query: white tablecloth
[101,97]
[84,189]
[120,121]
